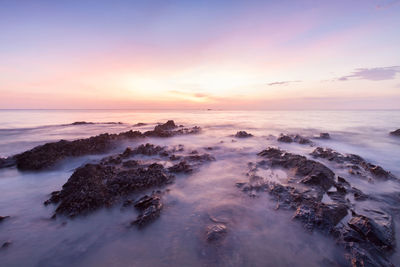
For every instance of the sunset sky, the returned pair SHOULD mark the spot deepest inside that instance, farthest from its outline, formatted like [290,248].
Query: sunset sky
[200,54]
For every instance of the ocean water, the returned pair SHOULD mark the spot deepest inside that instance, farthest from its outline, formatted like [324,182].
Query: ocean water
[258,234]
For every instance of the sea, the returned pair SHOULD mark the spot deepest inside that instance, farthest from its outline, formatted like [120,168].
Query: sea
[258,233]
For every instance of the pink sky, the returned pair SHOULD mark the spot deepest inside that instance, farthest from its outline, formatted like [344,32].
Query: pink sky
[216,54]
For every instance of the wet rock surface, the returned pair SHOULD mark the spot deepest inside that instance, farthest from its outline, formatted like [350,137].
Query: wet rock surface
[355,164]
[47,155]
[396,132]
[243,134]
[324,136]
[216,232]
[367,235]
[102,184]
[150,209]
[285,138]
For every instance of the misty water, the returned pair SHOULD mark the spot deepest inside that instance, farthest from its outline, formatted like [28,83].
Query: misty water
[258,234]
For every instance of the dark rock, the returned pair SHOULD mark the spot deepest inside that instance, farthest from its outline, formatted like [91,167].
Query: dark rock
[367,236]
[396,132]
[377,226]
[147,150]
[310,171]
[6,244]
[358,194]
[127,203]
[2,218]
[100,185]
[324,136]
[182,166]
[243,134]
[55,198]
[49,154]
[216,232]
[7,162]
[81,123]
[301,140]
[285,138]
[139,124]
[150,209]
[320,215]
[355,164]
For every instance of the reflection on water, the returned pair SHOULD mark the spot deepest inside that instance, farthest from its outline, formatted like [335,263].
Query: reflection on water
[258,235]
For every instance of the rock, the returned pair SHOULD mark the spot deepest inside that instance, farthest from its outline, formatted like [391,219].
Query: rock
[147,150]
[150,208]
[7,162]
[320,215]
[182,166]
[308,171]
[354,163]
[294,138]
[376,227]
[396,132]
[324,136]
[2,218]
[6,244]
[101,185]
[243,134]
[139,124]
[47,155]
[81,123]
[301,140]
[367,236]
[285,138]
[216,232]
[168,129]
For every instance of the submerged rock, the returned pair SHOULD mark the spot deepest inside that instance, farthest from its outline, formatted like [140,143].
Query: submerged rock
[396,132]
[216,232]
[150,209]
[243,134]
[367,236]
[182,166]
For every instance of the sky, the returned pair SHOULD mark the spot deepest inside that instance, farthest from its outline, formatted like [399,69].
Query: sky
[200,54]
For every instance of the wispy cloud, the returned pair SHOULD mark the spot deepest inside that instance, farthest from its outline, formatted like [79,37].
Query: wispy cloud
[389,4]
[282,83]
[372,74]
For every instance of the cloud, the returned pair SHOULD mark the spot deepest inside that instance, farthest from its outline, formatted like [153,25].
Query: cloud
[373,74]
[387,5]
[282,83]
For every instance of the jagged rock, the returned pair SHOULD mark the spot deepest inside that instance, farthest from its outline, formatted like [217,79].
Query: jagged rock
[375,226]
[100,185]
[147,149]
[182,166]
[285,138]
[355,164]
[396,132]
[320,215]
[243,134]
[294,138]
[47,155]
[309,171]
[150,208]
[367,236]
[216,232]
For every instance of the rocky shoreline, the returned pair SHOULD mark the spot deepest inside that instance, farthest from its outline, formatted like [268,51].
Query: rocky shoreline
[139,177]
